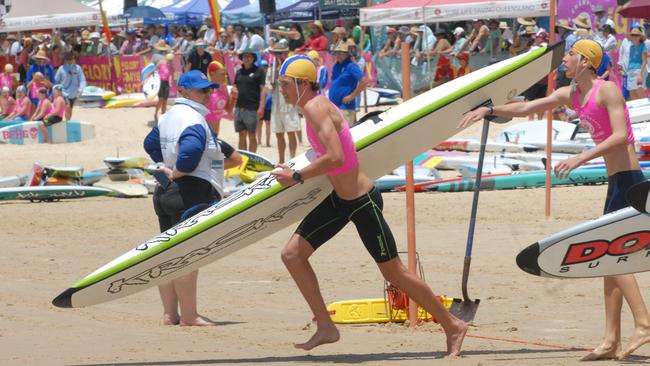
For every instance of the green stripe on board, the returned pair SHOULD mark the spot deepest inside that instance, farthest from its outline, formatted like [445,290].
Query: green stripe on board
[273,190]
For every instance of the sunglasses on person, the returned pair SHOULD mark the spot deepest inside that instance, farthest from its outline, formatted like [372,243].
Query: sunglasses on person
[207,90]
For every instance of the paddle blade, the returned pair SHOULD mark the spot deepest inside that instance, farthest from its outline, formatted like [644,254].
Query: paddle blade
[637,196]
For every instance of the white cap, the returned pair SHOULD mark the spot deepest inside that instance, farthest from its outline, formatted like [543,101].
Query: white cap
[5,89]
[458,30]
[94,35]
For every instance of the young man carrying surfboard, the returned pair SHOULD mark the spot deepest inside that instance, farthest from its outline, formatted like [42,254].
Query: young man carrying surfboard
[603,112]
[354,198]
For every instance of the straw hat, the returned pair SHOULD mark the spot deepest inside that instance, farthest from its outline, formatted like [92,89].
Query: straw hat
[503,25]
[38,37]
[637,32]
[319,24]
[530,29]
[563,23]
[203,28]
[350,42]
[582,21]
[200,43]
[526,21]
[161,46]
[280,46]
[340,31]
[341,47]
[41,55]
[584,33]
[11,37]
[414,31]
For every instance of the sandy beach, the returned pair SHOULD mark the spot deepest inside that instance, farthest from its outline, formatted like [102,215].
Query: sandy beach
[522,319]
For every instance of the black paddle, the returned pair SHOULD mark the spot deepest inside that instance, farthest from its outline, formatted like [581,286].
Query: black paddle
[637,196]
[466,309]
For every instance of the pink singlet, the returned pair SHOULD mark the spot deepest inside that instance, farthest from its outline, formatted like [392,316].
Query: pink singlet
[34,88]
[217,105]
[21,103]
[163,71]
[350,158]
[595,118]
[8,107]
[60,112]
[6,80]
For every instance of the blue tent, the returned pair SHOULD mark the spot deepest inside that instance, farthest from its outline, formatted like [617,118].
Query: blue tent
[308,10]
[188,12]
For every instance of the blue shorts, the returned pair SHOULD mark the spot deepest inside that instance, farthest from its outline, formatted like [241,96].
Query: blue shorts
[617,186]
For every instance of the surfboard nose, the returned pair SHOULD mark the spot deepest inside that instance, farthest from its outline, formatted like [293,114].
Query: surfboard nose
[527,260]
[64,300]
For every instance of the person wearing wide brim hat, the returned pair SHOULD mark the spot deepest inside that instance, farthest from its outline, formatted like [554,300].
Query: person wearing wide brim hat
[526,21]
[563,24]
[162,46]
[247,51]
[582,21]
[317,41]
[503,25]
[41,55]
[41,64]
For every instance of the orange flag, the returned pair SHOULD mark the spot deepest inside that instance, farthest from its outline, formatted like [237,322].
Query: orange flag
[216,16]
[107,30]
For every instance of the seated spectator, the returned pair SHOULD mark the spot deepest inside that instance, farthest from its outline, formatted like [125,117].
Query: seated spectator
[7,103]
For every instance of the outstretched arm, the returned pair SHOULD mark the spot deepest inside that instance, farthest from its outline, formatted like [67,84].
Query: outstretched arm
[559,97]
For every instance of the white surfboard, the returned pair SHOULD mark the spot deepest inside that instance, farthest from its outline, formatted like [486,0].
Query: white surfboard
[536,131]
[264,207]
[613,244]
[62,132]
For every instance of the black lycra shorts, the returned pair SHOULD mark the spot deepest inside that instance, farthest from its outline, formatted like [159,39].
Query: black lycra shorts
[328,218]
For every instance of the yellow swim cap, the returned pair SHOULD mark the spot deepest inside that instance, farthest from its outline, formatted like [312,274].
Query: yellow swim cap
[313,55]
[591,50]
[299,67]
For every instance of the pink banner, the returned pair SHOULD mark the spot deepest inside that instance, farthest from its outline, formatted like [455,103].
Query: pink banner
[571,9]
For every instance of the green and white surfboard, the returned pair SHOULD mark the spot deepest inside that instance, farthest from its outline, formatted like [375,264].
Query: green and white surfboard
[383,142]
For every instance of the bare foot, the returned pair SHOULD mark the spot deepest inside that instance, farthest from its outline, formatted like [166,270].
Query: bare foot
[322,336]
[455,337]
[605,351]
[199,321]
[640,337]
[171,319]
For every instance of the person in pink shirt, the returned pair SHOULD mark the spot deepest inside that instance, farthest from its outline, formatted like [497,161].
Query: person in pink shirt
[23,106]
[56,112]
[221,103]
[7,103]
[33,87]
[7,78]
[317,41]
[43,107]
[165,72]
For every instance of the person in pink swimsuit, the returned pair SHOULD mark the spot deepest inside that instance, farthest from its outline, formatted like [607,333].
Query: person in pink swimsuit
[7,77]
[7,103]
[23,106]
[56,112]
[43,107]
[354,198]
[165,72]
[33,87]
[221,104]
[602,111]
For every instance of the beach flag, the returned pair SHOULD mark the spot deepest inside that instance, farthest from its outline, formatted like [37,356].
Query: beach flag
[216,16]
[107,30]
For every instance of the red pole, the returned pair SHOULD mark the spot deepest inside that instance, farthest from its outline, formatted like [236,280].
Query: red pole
[410,191]
[549,121]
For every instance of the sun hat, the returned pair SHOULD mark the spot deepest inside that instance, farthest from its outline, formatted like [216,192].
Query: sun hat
[319,24]
[503,25]
[161,46]
[350,42]
[12,37]
[195,79]
[458,31]
[299,67]
[526,21]
[563,23]
[94,35]
[582,21]
[280,46]
[249,51]
[591,50]
[203,28]
[41,55]
[200,44]
[341,47]
[38,37]
[637,31]
[413,31]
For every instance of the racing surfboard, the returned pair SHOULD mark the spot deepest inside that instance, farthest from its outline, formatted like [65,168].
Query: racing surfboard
[613,244]
[383,142]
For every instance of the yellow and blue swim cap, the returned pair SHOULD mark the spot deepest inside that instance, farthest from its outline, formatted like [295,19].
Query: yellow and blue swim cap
[591,50]
[299,67]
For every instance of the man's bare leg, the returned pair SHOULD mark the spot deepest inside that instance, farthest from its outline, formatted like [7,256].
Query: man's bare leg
[293,144]
[295,256]
[455,329]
